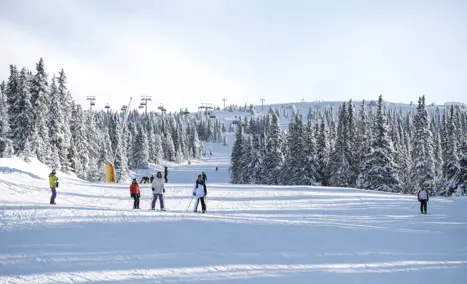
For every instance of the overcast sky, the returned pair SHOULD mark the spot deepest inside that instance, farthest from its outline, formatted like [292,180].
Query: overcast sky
[183,53]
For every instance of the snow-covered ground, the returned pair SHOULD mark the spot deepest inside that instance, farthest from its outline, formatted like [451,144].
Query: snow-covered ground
[251,234]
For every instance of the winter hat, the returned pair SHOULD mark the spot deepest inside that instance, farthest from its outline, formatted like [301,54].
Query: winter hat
[53,171]
[159,174]
[200,176]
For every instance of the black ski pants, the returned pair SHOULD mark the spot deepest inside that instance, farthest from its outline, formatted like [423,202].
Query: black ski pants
[423,205]
[135,200]
[203,203]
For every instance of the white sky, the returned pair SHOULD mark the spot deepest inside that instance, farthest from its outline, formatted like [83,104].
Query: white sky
[183,53]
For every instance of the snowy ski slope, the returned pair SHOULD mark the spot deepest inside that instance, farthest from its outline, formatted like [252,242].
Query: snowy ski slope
[251,234]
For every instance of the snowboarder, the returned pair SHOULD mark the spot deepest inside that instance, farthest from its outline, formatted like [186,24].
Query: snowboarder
[53,183]
[423,199]
[200,192]
[158,191]
[204,177]
[135,193]
[166,174]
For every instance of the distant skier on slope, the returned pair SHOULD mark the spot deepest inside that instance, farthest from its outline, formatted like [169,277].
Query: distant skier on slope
[53,183]
[423,199]
[204,177]
[158,191]
[166,174]
[200,192]
[135,193]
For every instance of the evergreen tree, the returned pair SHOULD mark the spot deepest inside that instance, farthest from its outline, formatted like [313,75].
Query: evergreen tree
[462,177]
[237,155]
[451,164]
[20,110]
[6,147]
[382,172]
[40,95]
[274,152]
[339,164]
[423,168]
[323,153]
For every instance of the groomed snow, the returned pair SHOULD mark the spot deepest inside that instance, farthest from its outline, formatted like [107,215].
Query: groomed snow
[251,234]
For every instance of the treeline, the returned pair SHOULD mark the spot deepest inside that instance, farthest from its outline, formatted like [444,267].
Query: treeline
[373,148]
[39,118]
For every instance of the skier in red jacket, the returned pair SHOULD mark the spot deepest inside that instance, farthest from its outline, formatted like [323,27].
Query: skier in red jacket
[135,193]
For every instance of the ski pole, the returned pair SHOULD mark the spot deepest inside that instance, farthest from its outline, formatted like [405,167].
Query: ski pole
[189,203]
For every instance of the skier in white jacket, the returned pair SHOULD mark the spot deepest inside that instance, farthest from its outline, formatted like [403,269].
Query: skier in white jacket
[423,199]
[158,191]
[200,192]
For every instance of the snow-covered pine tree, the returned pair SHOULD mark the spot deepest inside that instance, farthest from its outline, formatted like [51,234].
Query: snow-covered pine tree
[6,145]
[451,164]
[311,164]
[40,99]
[274,156]
[79,152]
[296,160]
[56,119]
[382,172]
[246,176]
[339,165]
[423,167]
[20,110]
[351,130]
[362,144]
[323,152]
[236,157]
[140,149]
[66,105]
[462,177]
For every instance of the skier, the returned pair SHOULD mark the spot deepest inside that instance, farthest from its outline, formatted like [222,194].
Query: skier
[135,193]
[200,192]
[423,199]
[158,191]
[152,178]
[217,168]
[204,177]
[166,174]
[53,182]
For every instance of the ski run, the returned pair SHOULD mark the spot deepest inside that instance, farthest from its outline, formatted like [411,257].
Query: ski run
[250,233]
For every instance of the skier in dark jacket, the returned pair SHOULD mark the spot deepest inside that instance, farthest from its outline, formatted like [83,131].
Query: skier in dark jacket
[204,177]
[166,174]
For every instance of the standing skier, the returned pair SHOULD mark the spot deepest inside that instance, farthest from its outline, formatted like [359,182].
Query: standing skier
[204,177]
[135,193]
[53,183]
[158,191]
[200,192]
[423,199]
[166,174]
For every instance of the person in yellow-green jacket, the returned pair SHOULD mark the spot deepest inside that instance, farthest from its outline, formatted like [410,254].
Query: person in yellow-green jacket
[53,182]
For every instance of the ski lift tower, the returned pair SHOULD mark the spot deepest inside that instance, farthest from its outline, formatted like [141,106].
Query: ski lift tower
[206,107]
[91,100]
